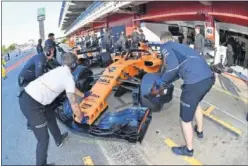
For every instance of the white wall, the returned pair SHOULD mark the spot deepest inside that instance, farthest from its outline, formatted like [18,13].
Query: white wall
[233,28]
[152,31]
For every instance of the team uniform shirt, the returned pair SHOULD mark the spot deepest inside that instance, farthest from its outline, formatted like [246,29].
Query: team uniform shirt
[39,49]
[199,42]
[34,67]
[49,86]
[107,40]
[185,63]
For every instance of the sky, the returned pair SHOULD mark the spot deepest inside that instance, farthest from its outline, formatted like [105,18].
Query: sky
[19,21]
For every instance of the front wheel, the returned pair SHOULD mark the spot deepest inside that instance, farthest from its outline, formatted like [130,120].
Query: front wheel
[145,87]
[82,76]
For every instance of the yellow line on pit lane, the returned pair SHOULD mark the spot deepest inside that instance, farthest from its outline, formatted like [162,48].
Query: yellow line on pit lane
[190,160]
[218,108]
[88,161]
[209,110]
[221,122]
[230,94]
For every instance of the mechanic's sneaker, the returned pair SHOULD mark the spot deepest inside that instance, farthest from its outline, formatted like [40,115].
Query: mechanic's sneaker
[64,137]
[183,151]
[199,134]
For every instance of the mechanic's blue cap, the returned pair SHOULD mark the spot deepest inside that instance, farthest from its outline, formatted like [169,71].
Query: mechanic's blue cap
[49,44]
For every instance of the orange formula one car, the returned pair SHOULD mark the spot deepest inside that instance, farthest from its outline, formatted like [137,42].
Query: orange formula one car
[135,71]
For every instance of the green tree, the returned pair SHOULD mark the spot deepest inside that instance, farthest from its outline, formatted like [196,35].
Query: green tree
[12,47]
[4,50]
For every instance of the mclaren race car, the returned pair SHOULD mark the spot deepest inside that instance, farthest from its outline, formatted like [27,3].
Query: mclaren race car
[135,71]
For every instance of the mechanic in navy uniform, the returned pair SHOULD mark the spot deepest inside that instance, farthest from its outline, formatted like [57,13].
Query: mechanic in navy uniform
[107,40]
[122,42]
[39,48]
[52,39]
[94,40]
[35,67]
[87,40]
[199,44]
[135,38]
[183,62]
[36,100]
[142,37]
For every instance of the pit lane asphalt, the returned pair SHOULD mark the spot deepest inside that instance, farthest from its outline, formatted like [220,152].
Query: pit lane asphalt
[218,147]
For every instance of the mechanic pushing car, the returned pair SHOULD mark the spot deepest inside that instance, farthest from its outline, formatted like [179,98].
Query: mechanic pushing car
[183,62]
[36,100]
[35,67]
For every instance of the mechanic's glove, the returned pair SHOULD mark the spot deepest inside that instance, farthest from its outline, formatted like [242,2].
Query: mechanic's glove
[161,84]
[153,99]
[158,83]
[87,94]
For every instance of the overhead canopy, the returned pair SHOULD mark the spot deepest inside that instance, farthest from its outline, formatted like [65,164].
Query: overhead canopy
[72,12]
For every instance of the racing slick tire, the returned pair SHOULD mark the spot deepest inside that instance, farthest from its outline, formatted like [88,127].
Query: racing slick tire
[82,78]
[145,87]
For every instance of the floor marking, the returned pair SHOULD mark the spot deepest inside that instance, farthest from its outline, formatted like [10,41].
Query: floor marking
[223,123]
[218,108]
[190,160]
[87,141]
[88,161]
[216,119]
[230,94]
[227,113]
[15,65]
[209,110]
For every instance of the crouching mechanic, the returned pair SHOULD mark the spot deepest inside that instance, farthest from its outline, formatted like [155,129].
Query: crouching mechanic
[36,100]
[183,62]
[35,66]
